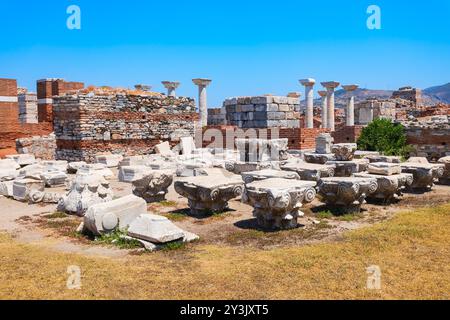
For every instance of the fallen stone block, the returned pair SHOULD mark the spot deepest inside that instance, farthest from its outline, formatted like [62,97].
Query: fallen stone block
[155,229]
[119,214]
[9,164]
[445,179]
[384,168]
[310,171]
[59,165]
[22,159]
[344,151]
[131,173]
[54,179]
[153,186]
[97,168]
[6,188]
[164,149]
[252,176]
[22,188]
[73,167]
[109,160]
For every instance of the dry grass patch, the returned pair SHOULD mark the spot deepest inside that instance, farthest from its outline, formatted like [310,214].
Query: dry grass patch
[411,249]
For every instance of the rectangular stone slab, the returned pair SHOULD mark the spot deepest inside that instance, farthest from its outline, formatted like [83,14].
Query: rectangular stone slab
[154,228]
[384,168]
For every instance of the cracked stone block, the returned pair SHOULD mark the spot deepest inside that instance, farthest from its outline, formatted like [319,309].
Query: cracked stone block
[155,229]
[97,168]
[53,165]
[119,214]
[54,179]
[164,149]
[239,167]
[277,202]
[109,160]
[6,188]
[33,171]
[384,168]
[377,158]
[324,143]
[209,194]
[310,171]
[73,167]
[153,186]
[347,168]
[22,188]
[252,176]
[133,161]
[445,179]
[261,150]
[390,187]
[364,154]
[344,151]
[22,159]
[131,173]
[347,193]
[317,158]
[86,190]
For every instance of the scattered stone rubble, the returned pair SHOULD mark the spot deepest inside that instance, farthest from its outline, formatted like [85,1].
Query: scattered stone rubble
[153,186]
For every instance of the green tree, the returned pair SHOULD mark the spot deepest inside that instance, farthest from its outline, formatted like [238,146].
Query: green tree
[386,137]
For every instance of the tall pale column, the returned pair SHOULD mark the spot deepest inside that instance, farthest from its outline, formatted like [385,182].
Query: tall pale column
[350,112]
[331,86]
[323,94]
[171,87]
[309,95]
[202,100]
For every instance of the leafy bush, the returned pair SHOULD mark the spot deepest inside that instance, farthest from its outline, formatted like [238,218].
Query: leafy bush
[386,137]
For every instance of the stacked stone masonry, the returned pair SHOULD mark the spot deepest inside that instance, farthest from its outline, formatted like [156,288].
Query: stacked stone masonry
[263,112]
[127,124]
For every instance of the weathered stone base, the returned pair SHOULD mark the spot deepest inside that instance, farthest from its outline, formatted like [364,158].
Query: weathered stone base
[202,209]
[284,221]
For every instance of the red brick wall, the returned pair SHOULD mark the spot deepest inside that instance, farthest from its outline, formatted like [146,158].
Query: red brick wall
[347,134]
[298,138]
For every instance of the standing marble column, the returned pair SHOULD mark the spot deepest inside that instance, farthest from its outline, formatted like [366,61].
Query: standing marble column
[309,95]
[331,86]
[323,94]
[350,112]
[171,87]
[202,100]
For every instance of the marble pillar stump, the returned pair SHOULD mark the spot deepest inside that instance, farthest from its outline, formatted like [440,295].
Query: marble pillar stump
[209,194]
[309,96]
[277,202]
[347,194]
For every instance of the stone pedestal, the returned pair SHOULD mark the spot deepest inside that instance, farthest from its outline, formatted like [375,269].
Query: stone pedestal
[277,202]
[153,186]
[252,176]
[109,160]
[348,168]
[390,187]
[131,173]
[346,194]
[309,171]
[424,174]
[324,143]
[318,158]
[209,194]
[445,179]
[239,167]
[378,158]
[344,151]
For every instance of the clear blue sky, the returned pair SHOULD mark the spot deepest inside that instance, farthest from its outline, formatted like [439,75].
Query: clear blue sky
[246,47]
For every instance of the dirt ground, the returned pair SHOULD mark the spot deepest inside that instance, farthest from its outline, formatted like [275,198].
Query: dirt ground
[236,227]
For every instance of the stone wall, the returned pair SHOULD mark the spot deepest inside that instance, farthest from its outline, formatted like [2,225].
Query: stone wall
[263,112]
[42,147]
[408,93]
[347,134]
[28,110]
[298,138]
[429,139]
[217,117]
[86,124]
[369,110]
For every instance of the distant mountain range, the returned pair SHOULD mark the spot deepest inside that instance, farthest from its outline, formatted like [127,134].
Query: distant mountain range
[431,96]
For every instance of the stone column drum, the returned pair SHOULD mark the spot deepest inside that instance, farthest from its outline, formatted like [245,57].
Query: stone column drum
[324,94]
[309,96]
[331,86]
[202,100]
[277,202]
[171,87]
[350,111]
